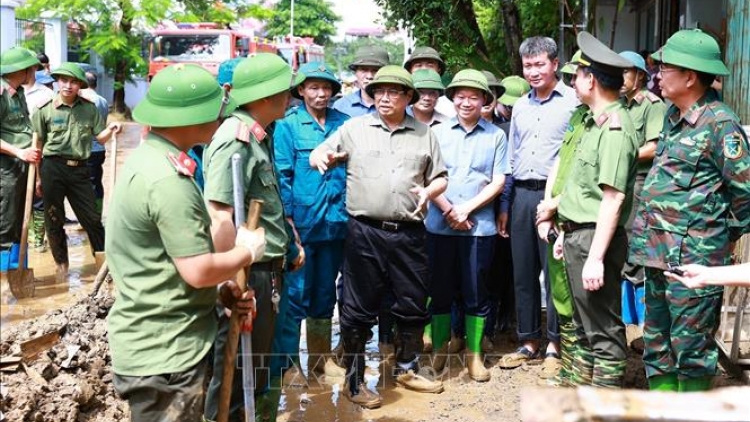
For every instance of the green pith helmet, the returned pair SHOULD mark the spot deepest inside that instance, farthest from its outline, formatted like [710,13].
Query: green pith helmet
[425,53]
[261,76]
[571,66]
[72,70]
[515,88]
[15,59]
[428,79]
[182,95]
[692,49]
[494,84]
[370,55]
[470,78]
[318,70]
[393,74]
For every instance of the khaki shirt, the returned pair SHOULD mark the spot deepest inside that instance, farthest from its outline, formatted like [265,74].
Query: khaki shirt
[243,135]
[15,126]
[66,131]
[647,113]
[159,324]
[383,165]
[606,156]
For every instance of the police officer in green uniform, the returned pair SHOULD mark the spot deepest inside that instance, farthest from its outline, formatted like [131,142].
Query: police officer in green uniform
[65,126]
[260,85]
[575,368]
[161,255]
[594,207]
[695,203]
[16,66]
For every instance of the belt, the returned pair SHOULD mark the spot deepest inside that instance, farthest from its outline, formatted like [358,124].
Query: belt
[570,227]
[531,184]
[272,266]
[389,226]
[67,161]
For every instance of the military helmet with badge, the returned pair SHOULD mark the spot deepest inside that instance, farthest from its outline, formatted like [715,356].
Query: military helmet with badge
[497,88]
[470,78]
[321,71]
[17,58]
[428,79]
[392,74]
[425,53]
[570,67]
[515,88]
[370,55]
[71,70]
[692,49]
[261,76]
[182,95]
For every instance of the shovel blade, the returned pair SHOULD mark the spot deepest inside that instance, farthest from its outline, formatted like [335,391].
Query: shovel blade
[21,282]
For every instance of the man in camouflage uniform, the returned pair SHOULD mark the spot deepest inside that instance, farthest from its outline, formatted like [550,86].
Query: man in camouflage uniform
[17,66]
[695,202]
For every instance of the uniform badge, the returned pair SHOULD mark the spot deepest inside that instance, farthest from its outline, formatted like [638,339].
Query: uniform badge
[258,131]
[183,164]
[687,141]
[733,146]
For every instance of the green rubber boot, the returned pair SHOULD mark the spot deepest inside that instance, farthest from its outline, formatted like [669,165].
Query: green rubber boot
[608,373]
[665,382]
[441,333]
[582,371]
[687,385]
[474,357]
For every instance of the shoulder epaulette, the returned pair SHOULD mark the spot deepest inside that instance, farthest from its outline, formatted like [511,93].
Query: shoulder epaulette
[653,97]
[44,102]
[614,121]
[243,132]
[639,97]
[85,96]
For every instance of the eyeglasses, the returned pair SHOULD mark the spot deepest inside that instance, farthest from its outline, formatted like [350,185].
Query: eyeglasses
[391,93]
[665,69]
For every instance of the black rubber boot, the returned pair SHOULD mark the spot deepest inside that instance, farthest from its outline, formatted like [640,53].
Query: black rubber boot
[354,358]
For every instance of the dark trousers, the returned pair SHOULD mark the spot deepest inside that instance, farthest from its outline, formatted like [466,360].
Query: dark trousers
[502,295]
[263,331]
[58,182]
[377,262]
[529,260]
[96,162]
[597,314]
[166,397]
[460,268]
[13,175]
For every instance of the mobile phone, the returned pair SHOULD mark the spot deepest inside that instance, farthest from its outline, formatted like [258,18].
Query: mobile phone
[551,236]
[674,268]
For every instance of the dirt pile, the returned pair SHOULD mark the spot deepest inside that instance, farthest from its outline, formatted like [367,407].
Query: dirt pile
[75,374]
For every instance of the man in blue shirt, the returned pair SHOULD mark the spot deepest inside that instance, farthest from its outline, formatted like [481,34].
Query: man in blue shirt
[367,61]
[315,205]
[461,222]
[537,126]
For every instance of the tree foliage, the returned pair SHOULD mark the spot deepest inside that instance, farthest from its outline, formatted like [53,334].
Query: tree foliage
[341,54]
[312,18]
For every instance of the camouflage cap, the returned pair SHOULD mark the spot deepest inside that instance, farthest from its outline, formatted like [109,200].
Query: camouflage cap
[515,88]
[636,59]
[318,70]
[425,53]
[470,78]
[370,55]
[72,70]
[182,95]
[599,57]
[427,79]
[261,76]
[571,66]
[393,74]
[693,49]
[494,84]
[15,59]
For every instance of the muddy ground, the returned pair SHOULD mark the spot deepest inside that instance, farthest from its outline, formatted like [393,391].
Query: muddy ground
[78,378]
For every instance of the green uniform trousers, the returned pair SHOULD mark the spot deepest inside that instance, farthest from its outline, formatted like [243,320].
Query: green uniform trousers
[13,175]
[598,313]
[678,332]
[60,181]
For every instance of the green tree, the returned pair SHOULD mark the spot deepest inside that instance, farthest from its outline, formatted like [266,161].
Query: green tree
[341,54]
[312,18]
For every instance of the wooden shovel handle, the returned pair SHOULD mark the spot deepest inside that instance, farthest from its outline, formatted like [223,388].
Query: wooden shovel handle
[30,182]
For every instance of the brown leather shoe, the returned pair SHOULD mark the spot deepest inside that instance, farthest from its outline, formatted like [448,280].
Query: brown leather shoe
[419,383]
[475,364]
[364,397]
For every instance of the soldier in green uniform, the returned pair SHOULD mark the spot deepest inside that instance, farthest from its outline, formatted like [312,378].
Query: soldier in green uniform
[65,126]
[576,361]
[161,255]
[695,203]
[593,209]
[647,111]
[16,66]
[260,85]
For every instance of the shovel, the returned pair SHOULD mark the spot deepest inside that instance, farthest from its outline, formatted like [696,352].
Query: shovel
[21,280]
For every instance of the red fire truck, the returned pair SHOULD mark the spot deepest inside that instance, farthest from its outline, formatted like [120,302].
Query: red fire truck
[204,44]
[298,50]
